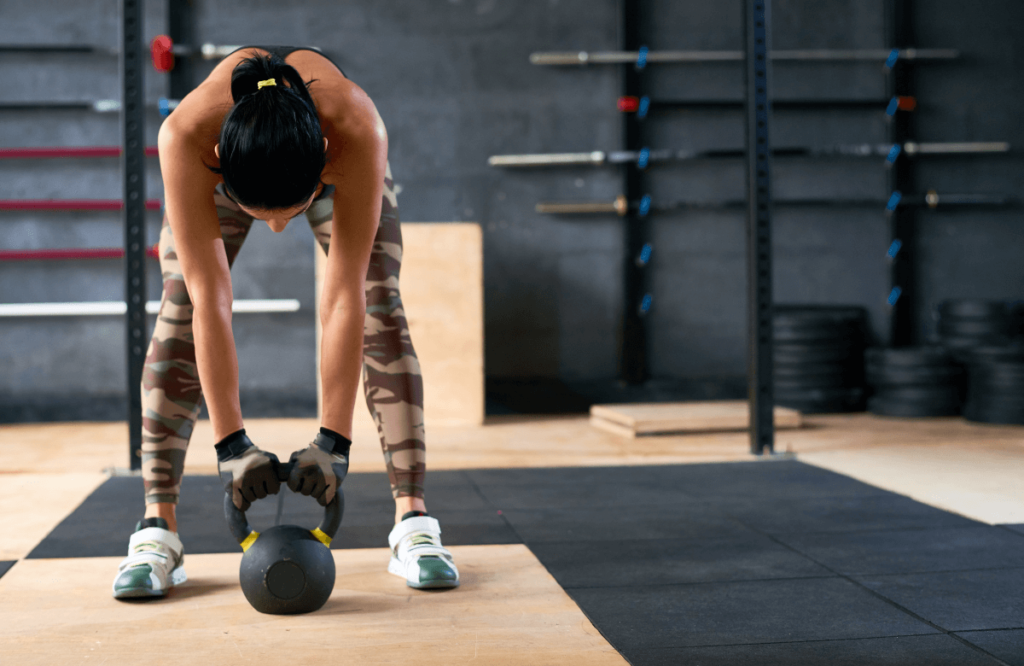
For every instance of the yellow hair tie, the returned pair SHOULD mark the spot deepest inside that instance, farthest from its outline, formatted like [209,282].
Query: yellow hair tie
[268,82]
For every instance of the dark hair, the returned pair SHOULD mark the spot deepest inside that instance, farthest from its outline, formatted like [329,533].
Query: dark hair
[271,143]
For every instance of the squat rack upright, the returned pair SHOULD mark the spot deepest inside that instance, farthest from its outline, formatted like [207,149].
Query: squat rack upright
[133,169]
[633,356]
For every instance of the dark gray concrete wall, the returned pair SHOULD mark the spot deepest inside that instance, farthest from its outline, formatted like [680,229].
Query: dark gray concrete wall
[452,81]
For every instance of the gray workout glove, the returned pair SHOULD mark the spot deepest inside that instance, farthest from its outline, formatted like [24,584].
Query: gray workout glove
[319,469]
[247,473]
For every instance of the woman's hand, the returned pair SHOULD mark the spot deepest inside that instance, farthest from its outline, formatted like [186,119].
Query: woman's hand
[320,468]
[247,472]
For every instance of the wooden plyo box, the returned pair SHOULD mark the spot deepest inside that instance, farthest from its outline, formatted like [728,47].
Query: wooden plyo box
[441,283]
[640,419]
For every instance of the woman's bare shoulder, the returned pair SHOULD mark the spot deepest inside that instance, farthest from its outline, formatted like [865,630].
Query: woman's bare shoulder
[350,121]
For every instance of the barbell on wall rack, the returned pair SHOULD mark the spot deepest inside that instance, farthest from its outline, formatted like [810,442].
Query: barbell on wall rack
[620,206]
[642,108]
[163,105]
[599,158]
[57,48]
[103,308]
[644,56]
[69,152]
[163,51]
[63,254]
[70,204]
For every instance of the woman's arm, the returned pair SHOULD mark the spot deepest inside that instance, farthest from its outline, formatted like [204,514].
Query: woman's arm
[358,174]
[192,215]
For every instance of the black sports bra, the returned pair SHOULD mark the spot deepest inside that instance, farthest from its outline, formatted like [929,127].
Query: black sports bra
[283,52]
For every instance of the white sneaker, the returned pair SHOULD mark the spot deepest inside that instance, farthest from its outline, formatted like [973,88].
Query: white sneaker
[418,557]
[155,562]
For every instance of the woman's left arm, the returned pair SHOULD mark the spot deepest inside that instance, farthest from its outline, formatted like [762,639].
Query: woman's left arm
[358,175]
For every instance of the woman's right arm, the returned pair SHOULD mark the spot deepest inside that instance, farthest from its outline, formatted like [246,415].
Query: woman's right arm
[192,215]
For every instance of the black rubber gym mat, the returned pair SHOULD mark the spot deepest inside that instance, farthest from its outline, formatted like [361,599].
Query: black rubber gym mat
[767,562]
[102,524]
[6,566]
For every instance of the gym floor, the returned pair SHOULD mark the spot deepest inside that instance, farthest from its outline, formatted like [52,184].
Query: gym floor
[863,540]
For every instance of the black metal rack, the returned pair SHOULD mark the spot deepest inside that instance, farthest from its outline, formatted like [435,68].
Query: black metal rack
[902,298]
[637,303]
[133,168]
[757,16]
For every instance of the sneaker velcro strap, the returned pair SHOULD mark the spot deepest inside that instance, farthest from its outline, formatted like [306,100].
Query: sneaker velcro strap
[165,538]
[428,549]
[425,524]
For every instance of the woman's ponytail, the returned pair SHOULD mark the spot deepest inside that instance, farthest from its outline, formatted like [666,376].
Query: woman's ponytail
[271,142]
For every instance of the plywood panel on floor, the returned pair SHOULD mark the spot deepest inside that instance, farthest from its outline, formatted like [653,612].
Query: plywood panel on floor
[442,296]
[509,610]
[637,419]
[32,504]
[983,483]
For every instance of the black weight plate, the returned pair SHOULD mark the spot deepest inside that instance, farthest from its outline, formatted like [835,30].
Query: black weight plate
[822,394]
[1017,319]
[832,367]
[998,371]
[897,376]
[803,314]
[886,407]
[970,308]
[973,327]
[994,412]
[1011,398]
[960,348]
[818,334]
[994,389]
[816,353]
[921,394]
[908,357]
[998,353]
[815,382]
[834,401]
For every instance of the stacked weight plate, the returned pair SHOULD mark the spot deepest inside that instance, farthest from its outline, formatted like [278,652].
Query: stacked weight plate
[819,358]
[913,382]
[967,324]
[1017,320]
[995,391]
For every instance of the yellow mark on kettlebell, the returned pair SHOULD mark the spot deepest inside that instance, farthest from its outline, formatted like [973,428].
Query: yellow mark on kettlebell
[321,536]
[250,540]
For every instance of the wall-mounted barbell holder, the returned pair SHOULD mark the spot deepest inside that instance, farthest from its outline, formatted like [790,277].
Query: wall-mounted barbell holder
[108,308]
[70,204]
[643,57]
[164,51]
[599,158]
[163,106]
[68,254]
[620,206]
[37,49]
[67,152]
[889,106]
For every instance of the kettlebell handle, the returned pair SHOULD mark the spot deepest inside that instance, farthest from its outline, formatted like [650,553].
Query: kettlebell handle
[245,535]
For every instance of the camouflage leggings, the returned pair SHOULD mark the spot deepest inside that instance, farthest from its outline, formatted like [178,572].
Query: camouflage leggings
[171,395]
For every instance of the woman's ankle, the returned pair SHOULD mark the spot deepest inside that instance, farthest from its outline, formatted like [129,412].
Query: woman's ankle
[164,510]
[404,505]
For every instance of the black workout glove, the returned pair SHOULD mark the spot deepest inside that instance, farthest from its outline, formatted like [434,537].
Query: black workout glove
[320,468]
[247,473]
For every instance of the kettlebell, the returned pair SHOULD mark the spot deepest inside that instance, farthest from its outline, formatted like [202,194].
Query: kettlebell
[287,569]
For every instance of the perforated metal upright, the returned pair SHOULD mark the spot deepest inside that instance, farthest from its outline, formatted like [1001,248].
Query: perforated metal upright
[757,18]
[903,315]
[633,352]
[180,28]
[133,167]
